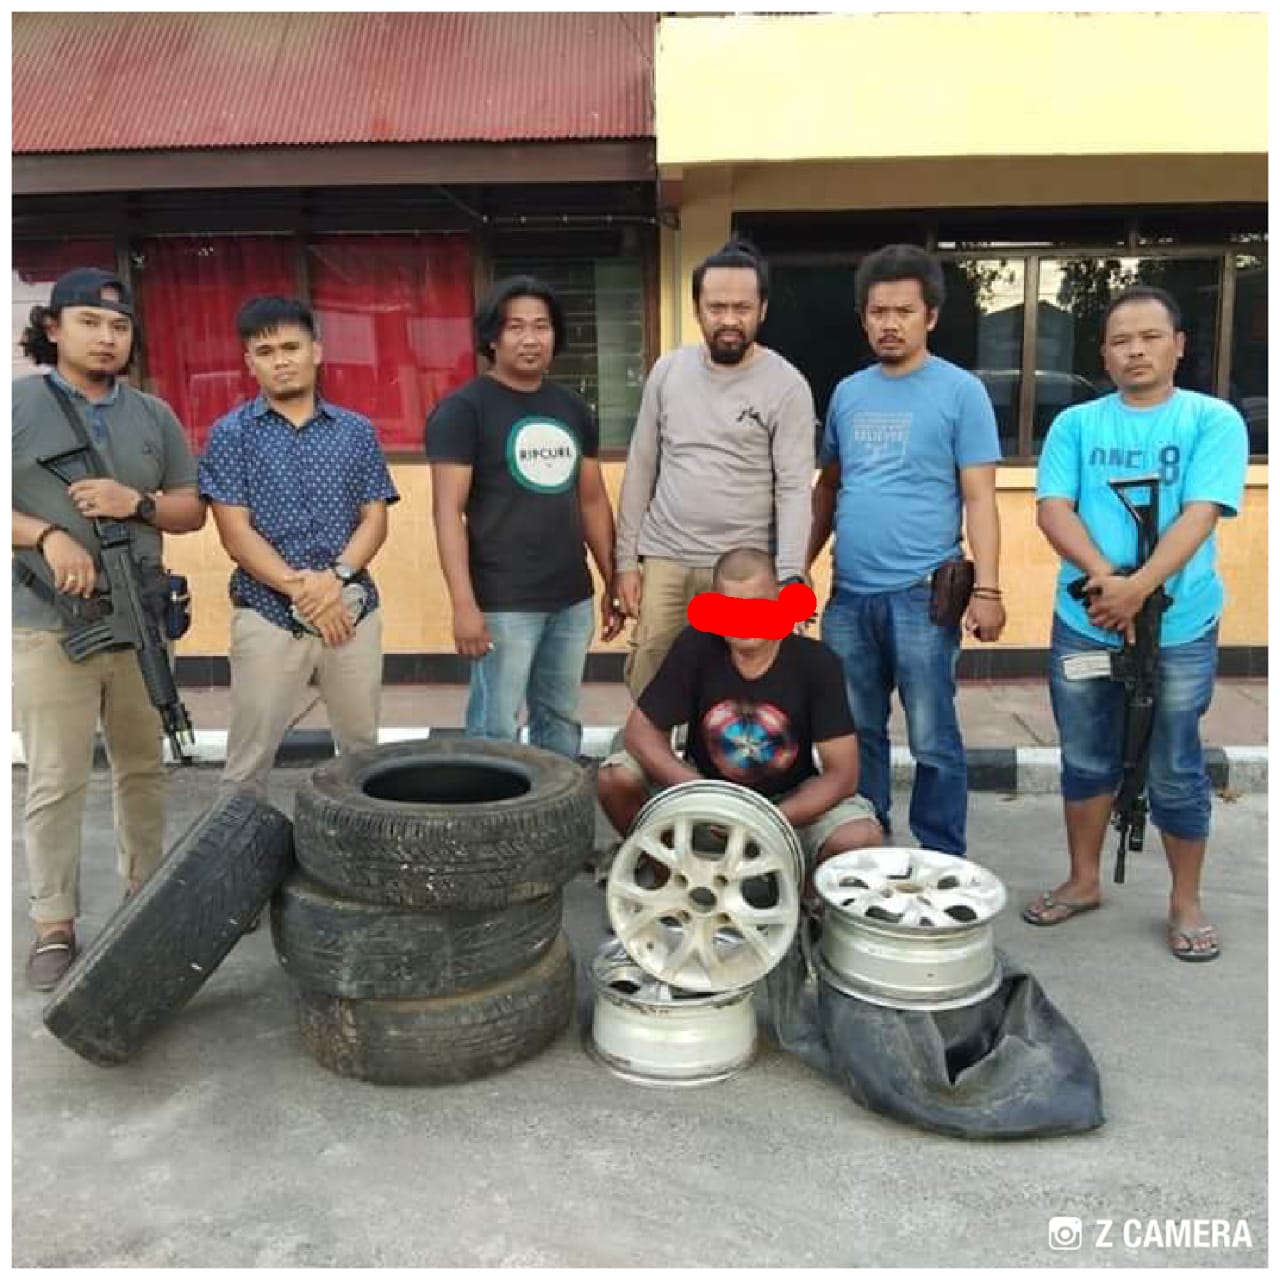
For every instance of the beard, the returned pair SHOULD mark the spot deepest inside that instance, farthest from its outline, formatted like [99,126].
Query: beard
[730,348]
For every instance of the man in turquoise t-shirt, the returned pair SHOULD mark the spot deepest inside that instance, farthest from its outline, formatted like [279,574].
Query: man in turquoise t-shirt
[1198,447]
[910,444]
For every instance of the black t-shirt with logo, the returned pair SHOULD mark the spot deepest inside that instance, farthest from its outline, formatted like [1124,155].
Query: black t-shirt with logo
[524,522]
[758,733]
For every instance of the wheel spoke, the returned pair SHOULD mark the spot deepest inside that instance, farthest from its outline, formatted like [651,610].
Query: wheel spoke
[659,900]
[677,959]
[658,851]
[761,917]
[683,840]
[731,865]
[705,946]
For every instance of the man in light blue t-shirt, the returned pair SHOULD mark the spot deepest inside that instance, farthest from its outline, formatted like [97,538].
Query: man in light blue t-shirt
[910,444]
[1198,447]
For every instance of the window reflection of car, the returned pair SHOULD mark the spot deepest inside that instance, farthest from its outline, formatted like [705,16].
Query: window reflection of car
[1054,389]
[1254,411]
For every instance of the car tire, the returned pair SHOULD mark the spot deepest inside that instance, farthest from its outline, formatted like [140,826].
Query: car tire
[444,1041]
[363,951]
[162,944]
[455,824]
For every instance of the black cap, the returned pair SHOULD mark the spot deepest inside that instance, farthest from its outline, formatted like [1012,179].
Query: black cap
[83,288]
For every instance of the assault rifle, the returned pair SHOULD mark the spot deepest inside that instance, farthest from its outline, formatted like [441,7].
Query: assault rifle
[117,617]
[1135,666]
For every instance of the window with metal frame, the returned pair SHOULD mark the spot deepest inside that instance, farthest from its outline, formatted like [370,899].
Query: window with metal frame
[1024,303]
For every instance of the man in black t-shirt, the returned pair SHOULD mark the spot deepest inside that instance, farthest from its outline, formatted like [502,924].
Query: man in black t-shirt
[756,710]
[517,490]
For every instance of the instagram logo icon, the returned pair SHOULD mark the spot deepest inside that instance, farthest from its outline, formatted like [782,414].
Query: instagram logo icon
[1065,1233]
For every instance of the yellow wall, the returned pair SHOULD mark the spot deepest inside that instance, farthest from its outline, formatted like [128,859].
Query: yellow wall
[417,610]
[759,87]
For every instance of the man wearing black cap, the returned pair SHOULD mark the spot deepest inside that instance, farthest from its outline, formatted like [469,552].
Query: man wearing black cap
[86,334]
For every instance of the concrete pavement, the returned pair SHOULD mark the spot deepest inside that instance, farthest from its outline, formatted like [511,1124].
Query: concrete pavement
[223,1144]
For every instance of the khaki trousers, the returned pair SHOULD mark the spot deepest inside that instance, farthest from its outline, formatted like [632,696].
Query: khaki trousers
[664,604]
[270,671]
[57,705]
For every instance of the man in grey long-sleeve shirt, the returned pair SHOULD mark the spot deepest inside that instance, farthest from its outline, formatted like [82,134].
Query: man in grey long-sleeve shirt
[722,457]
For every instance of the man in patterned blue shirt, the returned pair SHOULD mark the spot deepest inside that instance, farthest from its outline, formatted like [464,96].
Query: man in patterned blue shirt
[300,491]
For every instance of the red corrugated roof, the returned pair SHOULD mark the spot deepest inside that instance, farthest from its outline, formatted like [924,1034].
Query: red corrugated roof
[141,81]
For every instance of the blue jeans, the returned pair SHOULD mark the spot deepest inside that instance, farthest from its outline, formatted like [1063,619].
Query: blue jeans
[537,658]
[885,640]
[1090,719]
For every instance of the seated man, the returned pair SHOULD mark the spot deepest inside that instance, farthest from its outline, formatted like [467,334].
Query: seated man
[756,709]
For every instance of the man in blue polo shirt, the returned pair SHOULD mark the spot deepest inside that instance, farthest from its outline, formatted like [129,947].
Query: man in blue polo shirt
[300,492]
[910,446]
[1198,446]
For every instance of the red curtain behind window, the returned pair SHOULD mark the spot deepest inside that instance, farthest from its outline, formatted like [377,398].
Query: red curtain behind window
[190,288]
[36,265]
[395,318]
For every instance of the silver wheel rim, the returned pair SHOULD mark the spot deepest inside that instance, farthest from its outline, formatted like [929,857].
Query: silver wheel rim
[646,1032]
[909,928]
[729,907]
[826,974]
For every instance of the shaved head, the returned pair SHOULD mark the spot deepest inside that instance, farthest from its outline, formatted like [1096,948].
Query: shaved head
[744,564]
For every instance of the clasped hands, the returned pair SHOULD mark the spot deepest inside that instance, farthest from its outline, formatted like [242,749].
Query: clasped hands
[317,596]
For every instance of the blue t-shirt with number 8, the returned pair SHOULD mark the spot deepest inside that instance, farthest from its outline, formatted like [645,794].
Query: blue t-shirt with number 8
[1197,445]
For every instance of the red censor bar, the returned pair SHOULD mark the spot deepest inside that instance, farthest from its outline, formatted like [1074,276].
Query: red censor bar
[752,619]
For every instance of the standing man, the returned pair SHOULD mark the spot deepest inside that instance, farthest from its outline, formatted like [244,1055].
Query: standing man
[516,491]
[86,334]
[300,492]
[721,457]
[910,443]
[1198,446]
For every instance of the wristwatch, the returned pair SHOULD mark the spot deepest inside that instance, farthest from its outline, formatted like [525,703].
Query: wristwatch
[146,508]
[344,572]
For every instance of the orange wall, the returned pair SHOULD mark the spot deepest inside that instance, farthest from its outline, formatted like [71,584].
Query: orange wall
[417,609]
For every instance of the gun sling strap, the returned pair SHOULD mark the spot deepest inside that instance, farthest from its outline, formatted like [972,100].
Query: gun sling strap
[71,609]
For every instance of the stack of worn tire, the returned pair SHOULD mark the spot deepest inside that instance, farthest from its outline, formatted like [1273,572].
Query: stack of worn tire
[423,929]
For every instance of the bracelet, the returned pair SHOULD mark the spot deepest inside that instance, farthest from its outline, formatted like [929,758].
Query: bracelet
[987,593]
[44,533]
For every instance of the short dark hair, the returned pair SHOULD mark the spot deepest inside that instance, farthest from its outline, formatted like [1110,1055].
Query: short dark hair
[738,253]
[742,564]
[900,262]
[1145,293]
[267,313]
[491,314]
[39,348]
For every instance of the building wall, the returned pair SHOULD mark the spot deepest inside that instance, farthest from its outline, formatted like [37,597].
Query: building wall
[960,84]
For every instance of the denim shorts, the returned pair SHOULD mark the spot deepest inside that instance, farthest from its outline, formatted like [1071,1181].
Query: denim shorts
[1090,719]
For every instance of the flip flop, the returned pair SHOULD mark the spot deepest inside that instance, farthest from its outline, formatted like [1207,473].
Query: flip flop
[1034,912]
[1189,936]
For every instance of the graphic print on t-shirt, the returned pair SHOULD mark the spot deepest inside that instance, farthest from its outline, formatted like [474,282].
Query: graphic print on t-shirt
[542,455]
[880,437]
[748,741]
